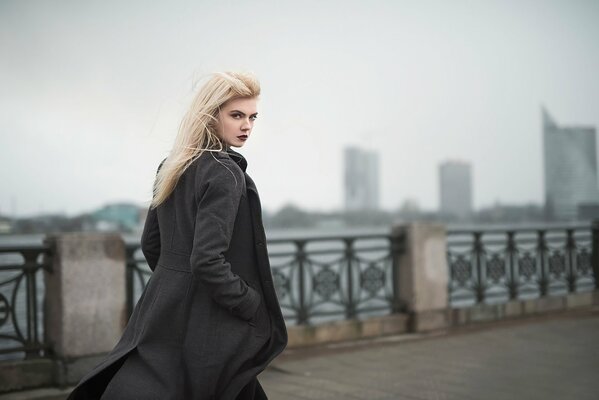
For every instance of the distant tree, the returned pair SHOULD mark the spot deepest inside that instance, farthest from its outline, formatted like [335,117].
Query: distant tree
[367,218]
[291,216]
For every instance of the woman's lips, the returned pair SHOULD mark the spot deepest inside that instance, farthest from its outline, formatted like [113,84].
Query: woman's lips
[242,137]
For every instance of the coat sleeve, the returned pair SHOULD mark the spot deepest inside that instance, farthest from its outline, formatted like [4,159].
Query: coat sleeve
[219,188]
[150,237]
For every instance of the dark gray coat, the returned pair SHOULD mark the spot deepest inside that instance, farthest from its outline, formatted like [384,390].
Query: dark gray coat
[209,319]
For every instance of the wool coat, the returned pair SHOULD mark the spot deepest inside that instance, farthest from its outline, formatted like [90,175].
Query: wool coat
[208,321]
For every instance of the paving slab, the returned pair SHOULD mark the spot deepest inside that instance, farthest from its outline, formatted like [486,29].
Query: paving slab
[545,358]
[541,358]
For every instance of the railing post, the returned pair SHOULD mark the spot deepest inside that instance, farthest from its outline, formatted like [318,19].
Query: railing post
[571,275]
[542,254]
[480,286]
[350,310]
[302,312]
[512,258]
[595,250]
[397,246]
[31,334]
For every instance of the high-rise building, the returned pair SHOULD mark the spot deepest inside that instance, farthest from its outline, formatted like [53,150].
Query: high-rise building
[361,179]
[570,159]
[455,178]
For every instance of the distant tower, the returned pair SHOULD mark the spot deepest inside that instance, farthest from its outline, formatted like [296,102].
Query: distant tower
[361,179]
[570,168]
[455,179]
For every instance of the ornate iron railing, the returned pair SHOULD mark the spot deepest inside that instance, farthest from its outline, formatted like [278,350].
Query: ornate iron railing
[21,300]
[489,265]
[323,278]
[333,277]
[318,278]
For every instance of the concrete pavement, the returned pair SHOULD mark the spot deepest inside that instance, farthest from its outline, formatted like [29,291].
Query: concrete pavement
[554,357]
[541,358]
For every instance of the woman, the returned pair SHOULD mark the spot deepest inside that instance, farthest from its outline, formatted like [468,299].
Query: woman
[208,321]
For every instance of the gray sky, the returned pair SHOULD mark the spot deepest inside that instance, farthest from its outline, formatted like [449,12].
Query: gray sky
[92,93]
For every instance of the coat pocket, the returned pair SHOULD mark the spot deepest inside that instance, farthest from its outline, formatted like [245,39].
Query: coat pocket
[260,321]
[257,317]
[253,285]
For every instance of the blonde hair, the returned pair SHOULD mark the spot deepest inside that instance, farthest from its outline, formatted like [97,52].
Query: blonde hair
[197,131]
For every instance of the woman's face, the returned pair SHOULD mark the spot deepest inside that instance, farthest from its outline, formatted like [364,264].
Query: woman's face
[236,120]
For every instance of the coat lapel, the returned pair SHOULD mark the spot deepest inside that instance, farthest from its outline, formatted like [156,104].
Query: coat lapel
[249,182]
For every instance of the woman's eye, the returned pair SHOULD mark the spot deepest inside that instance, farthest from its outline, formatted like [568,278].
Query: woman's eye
[253,117]
[236,116]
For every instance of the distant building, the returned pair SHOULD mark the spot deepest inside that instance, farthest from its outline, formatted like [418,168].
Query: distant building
[361,179]
[117,217]
[455,194]
[570,161]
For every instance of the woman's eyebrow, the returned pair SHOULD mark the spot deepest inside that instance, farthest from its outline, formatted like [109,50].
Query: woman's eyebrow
[241,112]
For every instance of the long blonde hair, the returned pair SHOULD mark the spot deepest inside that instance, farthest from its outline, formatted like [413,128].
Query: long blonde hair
[197,131]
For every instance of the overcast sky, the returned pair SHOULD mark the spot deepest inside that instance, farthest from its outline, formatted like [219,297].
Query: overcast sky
[92,93]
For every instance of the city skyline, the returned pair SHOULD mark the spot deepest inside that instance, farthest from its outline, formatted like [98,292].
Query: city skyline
[93,93]
[369,161]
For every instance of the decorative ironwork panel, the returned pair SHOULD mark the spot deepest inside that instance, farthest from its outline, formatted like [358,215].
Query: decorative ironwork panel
[333,277]
[282,284]
[527,266]
[496,268]
[583,262]
[373,279]
[529,262]
[557,264]
[326,282]
[21,301]
[461,270]
[375,285]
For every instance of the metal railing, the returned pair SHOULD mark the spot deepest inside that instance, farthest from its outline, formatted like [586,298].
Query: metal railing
[343,276]
[21,300]
[328,277]
[318,278]
[490,265]
[336,277]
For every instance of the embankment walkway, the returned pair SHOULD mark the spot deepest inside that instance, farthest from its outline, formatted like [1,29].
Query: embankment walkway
[552,357]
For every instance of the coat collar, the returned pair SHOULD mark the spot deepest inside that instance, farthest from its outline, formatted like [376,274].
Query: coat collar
[238,158]
[242,162]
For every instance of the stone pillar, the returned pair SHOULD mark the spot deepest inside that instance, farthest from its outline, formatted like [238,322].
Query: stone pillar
[85,302]
[424,275]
